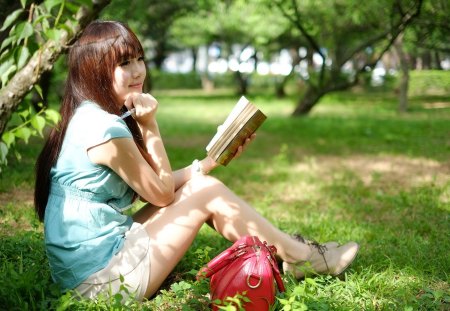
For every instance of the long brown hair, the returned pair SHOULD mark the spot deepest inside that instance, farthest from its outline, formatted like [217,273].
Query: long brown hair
[92,60]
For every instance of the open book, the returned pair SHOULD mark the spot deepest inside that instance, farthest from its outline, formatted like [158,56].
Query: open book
[243,120]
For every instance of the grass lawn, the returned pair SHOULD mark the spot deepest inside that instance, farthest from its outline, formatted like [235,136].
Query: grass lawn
[352,170]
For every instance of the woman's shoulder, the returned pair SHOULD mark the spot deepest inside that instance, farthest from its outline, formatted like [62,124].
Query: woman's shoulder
[91,110]
[91,119]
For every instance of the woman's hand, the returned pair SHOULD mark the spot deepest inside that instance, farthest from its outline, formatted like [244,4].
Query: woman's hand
[145,107]
[208,164]
[244,146]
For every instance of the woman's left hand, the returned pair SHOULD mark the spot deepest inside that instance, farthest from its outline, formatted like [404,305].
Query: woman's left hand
[244,146]
[208,164]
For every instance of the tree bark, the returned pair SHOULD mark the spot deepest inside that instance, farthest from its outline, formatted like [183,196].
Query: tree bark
[280,91]
[309,100]
[194,52]
[21,83]
[404,77]
[426,60]
[242,81]
[437,61]
[160,54]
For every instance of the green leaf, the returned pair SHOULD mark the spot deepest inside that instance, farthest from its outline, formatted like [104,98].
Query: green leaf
[73,7]
[5,76]
[7,42]
[26,31]
[52,115]
[19,157]
[38,123]
[49,4]
[25,113]
[23,56]
[23,3]
[23,133]
[38,89]
[8,138]
[66,28]
[41,18]
[5,65]
[10,19]
[53,34]
[3,153]
[87,3]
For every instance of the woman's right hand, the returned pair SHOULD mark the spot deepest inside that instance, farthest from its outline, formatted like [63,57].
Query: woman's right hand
[145,106]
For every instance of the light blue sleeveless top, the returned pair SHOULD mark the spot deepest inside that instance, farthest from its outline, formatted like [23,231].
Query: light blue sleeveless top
[84,226]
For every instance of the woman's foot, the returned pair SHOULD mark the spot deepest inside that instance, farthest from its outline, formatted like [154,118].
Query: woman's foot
[328,258]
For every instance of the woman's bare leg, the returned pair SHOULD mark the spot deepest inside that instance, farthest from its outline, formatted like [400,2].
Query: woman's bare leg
[172,229]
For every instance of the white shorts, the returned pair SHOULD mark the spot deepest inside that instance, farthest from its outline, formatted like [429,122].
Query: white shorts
[132,262]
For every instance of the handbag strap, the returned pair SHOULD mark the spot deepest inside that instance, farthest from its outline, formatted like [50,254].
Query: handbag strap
[222,260]
[238,249]
[272,250]
[276,274]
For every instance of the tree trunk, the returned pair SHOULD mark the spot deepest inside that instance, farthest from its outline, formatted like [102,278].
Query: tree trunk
[242,81]
[20,84]
[207,81]
[194,52]
[160,55]
[404,77]
[426,60]
[437,60]
[309,100]
[280,91]
[279,87]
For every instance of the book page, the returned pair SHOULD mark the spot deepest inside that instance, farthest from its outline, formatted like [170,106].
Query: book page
[240,124]
[235,112]
[231,145]
[234,128]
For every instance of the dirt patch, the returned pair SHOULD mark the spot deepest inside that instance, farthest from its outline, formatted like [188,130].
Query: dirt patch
[16,210]
[400,171]
[22,196]
[436,105]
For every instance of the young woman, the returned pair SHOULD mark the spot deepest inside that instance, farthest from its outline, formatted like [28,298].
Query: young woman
[95,164]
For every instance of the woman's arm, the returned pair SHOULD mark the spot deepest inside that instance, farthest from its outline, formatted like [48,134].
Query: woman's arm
[148,173]
[183,175]
[123,157]
[205,166]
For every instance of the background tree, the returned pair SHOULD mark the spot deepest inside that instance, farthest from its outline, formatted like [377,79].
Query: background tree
[152,21]
[242,31]
[423,45]
[345,33]
[428,40]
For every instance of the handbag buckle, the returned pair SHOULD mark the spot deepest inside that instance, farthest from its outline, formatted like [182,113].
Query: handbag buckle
[257,284]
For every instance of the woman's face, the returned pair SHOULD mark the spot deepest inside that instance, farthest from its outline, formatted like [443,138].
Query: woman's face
[129,78]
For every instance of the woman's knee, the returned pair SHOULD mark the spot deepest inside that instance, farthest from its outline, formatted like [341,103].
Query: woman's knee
[205,183]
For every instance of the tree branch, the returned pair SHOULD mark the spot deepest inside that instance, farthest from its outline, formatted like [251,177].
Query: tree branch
[42,60]
[405,20]
[303,31]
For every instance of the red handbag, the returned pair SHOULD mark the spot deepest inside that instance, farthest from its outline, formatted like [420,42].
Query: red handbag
[248,268]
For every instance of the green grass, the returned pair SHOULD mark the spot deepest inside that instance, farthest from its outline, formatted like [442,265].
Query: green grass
[352,170]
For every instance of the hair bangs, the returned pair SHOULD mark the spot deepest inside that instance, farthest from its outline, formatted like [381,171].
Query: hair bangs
[126,46]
